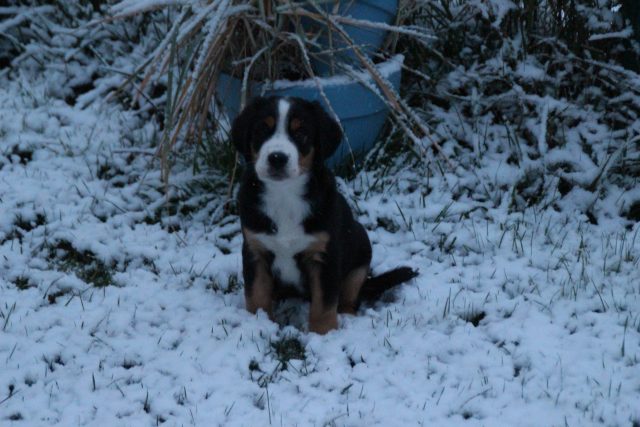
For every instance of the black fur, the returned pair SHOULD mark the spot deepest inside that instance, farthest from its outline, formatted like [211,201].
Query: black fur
[374,287]
[245,128]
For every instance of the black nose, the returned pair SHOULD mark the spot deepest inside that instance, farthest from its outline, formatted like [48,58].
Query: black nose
[277,160]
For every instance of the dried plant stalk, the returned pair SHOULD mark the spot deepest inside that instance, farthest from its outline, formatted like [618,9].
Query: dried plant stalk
[257,40]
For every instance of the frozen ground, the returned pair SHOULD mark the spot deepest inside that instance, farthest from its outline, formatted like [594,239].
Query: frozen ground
[115,312]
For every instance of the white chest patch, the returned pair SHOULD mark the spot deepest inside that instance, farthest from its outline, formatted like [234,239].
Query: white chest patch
[284,205]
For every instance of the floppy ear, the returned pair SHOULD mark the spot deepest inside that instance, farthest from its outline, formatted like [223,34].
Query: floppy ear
[329,134]
[242,126]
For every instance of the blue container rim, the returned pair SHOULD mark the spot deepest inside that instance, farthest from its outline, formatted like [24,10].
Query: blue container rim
[391,7]
[386,69]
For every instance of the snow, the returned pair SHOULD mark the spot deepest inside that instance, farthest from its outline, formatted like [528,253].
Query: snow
[554,300]
[625,34]
[387,68]
[121,300]
[130,7]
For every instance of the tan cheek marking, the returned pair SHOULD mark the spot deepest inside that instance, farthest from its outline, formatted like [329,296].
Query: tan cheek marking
[350,288]
[305,162]
[295,124]
[270,121]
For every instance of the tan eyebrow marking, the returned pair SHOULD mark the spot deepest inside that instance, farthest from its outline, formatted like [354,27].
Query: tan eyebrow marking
[295,124]
[270,121]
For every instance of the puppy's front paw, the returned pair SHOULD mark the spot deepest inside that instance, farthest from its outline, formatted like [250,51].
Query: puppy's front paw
[321,323]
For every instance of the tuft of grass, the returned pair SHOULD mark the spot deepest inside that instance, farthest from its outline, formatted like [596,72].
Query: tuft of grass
[146,405]
[473,316]
[529,190]
[23,225]
[53,362]
[286,349]
[254,366]
[388,224]
[53,297]
[181,396]
[22,283]
[633,212]
[233,285]
[129,363]
[83,263]
[215,153]
[7,316]
[20,155]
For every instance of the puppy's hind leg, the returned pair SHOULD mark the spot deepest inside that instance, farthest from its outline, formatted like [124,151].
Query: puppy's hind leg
[360,254]
[350,289]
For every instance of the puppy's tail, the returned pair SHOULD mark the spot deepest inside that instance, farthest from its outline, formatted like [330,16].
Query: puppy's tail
[373,287]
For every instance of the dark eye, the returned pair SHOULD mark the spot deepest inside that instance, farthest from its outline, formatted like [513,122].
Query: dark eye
[297,129]
[269,122]
[301,135]
[263,128]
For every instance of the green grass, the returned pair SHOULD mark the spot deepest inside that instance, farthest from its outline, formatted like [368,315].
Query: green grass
[233,285]
[22,283]
[286,349]
[84,264]
[23,225]
[473,316]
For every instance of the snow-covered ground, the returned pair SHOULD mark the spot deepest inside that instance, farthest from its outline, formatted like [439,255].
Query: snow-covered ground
[516,318]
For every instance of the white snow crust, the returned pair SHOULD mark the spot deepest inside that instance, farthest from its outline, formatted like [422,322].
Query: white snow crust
[517,318]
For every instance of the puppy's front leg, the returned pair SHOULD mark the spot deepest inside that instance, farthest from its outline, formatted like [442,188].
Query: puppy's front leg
[323,313]
[258,283]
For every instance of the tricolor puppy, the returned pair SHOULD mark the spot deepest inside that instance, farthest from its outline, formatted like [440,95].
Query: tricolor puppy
[300,237]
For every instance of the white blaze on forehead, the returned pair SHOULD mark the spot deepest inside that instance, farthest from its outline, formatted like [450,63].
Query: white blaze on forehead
[283,112]
[281,142]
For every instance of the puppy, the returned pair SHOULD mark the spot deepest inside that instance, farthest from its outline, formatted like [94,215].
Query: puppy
[300,237]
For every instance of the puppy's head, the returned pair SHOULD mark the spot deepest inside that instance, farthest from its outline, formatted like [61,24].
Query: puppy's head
[284,138]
